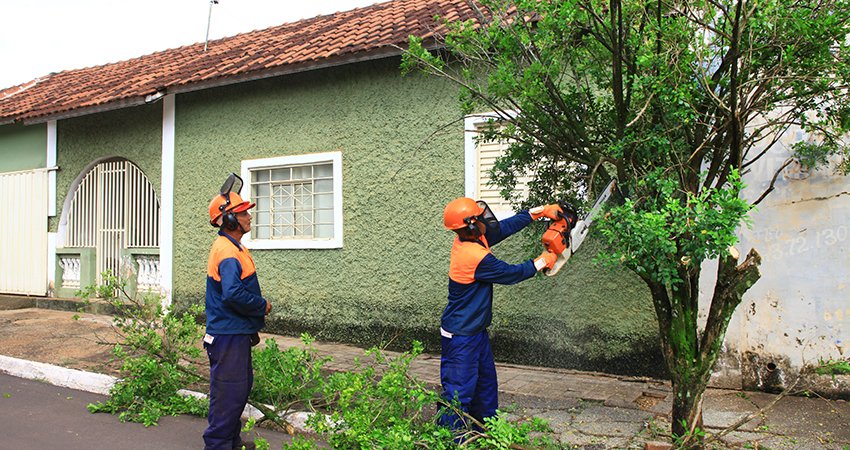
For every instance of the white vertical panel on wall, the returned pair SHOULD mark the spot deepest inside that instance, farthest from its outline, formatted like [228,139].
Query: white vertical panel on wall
[488,153]
[24,230]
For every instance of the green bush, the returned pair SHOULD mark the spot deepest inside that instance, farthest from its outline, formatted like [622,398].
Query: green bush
[160,356]
[285,378]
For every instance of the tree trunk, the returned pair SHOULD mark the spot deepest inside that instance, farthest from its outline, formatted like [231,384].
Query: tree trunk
[687,411]
[685,367]
[690,358]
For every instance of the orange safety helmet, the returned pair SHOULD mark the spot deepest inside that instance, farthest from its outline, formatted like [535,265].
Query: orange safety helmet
[228,205]
[459,211]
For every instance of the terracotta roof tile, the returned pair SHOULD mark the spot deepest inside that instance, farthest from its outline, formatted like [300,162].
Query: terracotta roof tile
[374,28]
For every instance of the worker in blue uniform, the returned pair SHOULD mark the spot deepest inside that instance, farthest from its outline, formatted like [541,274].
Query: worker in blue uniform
[235,310]
[467,367]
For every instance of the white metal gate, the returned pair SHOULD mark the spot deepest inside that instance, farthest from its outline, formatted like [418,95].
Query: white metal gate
[114,208]
[23,253]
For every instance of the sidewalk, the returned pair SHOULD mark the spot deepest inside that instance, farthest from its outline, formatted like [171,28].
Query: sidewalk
[586,410]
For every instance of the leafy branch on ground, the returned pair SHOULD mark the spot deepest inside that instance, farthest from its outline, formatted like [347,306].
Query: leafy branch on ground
[160,355]
[287,380]
[379,404]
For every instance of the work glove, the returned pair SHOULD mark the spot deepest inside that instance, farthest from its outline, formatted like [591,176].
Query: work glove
[550,211]
[546,260]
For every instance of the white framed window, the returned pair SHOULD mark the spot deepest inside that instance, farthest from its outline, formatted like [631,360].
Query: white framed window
[479,159]
[299,201]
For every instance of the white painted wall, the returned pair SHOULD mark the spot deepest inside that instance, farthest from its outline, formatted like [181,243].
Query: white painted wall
[799,311]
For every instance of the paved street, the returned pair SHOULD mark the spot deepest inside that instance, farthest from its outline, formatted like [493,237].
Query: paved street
[37,415]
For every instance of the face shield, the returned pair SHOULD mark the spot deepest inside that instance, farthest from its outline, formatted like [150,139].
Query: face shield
[488,218]
[227,187]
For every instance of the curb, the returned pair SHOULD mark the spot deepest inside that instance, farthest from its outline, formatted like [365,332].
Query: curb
[57,376]
[101,384]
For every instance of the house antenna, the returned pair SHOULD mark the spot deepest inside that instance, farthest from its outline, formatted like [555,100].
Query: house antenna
[209,19]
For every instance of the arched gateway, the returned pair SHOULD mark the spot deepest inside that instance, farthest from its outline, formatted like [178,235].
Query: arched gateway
[110,222]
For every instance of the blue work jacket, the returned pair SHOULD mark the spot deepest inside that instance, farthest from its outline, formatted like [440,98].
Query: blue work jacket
[234,303]
[472,272]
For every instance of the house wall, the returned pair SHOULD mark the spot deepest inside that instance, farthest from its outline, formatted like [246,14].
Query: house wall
[798,312]
[23,147]
[131,133]
[389,280]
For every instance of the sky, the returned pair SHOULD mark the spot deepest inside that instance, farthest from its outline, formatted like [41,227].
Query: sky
[38,37]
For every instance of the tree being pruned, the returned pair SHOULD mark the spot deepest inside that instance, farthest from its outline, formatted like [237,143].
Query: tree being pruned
[677,100]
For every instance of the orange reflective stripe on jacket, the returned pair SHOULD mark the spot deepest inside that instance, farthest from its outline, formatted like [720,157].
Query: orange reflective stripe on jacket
[465,258]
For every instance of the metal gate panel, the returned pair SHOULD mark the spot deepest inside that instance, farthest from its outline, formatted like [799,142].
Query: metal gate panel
[23,253]
[114,208]
[82,218]
[110,218]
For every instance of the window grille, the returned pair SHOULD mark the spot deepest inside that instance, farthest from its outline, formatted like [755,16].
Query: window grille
[299,201]
[293,202]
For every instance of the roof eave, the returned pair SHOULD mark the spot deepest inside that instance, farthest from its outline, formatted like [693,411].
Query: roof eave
[386,52]
[84,111]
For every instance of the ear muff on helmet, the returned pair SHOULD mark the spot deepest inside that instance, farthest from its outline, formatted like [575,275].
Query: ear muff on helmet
[471,223]
[228,219]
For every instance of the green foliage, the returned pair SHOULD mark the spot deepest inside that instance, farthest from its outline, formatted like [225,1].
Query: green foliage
[287,377]
[301,443]
[159,353]
[382,406]
[668,231]
[833,367]
[653,429]
[502,434]
[260,443]
[372,408]
[813,155]
[587,90]
[687,439]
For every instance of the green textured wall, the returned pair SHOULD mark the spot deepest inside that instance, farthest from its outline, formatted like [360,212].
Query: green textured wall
[23,147]
[131,133]
[389,281]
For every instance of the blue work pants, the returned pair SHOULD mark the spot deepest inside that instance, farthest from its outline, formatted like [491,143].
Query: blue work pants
[231,379]
[468,372]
